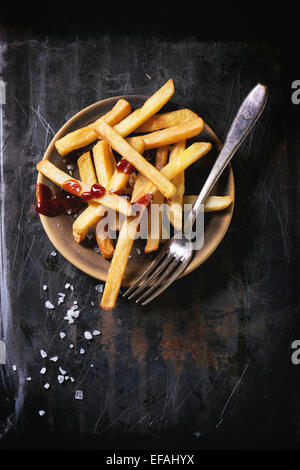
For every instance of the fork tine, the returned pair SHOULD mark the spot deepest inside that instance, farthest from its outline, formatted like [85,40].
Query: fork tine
[159,279]
[154,275]
[145,273]
[174,276]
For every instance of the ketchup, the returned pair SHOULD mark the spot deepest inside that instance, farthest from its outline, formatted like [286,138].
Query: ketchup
[62,202]
[72,186]
[96,191]
[123,166]
[142,201]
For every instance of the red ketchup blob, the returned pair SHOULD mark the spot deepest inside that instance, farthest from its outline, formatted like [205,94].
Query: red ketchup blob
[72,186]
[123,166]
[62,202]
[96,191]
[142,201]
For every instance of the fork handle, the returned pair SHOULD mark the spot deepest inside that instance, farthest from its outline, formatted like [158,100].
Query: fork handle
[247,115]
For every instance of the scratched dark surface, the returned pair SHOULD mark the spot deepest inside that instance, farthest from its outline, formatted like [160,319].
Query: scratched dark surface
[207,364]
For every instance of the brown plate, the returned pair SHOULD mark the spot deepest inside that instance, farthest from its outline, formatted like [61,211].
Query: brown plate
[59,228]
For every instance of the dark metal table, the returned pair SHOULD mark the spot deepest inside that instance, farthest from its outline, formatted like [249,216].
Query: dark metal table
[207,364]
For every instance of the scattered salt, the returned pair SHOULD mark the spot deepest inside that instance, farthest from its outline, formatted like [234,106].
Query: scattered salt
[43,353]
[46,386]
[67,285]
[62,334]
[42,412]
[66,377]
[45,287]
[54,358]
[60,378]
[82,351]
[14,367]
[71,346]
[78,395]
[71,287]
[96,332]
[72,380]
[92,303]
[53,253]
[62,371]
[49,305]
[87,335]
[43,370]
[28,379]
[99,288]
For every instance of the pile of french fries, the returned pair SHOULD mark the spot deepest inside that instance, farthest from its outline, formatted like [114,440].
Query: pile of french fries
[164,180]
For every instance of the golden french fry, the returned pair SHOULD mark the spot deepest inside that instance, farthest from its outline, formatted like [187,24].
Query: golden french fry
[129,227]
[161,157]
[175,203]
[86,169]
[169,119]
[60,178]
[182,161]
[119,179]
[212,203]
[174,134]
[119,144]
[104,162]
[84,136]
[104,242]
[154,218]
[119,263]
[90,216]
[151,106]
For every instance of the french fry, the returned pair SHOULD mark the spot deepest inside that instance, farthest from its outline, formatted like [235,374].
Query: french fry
[175,204]
[119,144]
[59,177]
[182,161]
[119,179]
[104,242]
[155,223]
[212,203]
[173,134]
[84,136]
[140,183]
[104,161]
[129,227]
[90,216]
[86,169]
[151,106]
[169,119]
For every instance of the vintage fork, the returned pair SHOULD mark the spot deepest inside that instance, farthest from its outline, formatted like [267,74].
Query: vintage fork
[177,253]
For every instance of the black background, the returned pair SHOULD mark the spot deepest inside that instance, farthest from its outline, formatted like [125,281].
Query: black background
[265,411]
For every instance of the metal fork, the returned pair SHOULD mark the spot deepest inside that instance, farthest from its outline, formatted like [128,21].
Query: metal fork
[177,253]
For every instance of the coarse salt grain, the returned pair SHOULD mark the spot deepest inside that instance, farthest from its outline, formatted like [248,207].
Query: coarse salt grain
[78,394]
[88,335]
[45,287]
[96,332]
[67,285]
[49,305]
[42,412]
[82,351]
[46,386]
[71,346]
[43,353]
[54,358]
[53,253]
[72,379]
[62,371]
[60,378]
[14,367]
[99,288]
[43,370]
[62,334]
[71,287]
[28,379]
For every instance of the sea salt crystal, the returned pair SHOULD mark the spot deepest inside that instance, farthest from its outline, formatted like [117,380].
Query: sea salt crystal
[60,378]
[76,314]
[49,305]
[87,335]
[96,249]
[72,379]
[82,351]
[43,370]
[62,334]
[78,395]
[53,253]
[71,346]
[138,251]
[66,377]
[96,332]
[60,301]
[28,379]
[71,287]
[61,294]
[46,386]
[99,288]
[45,287]
[54,358]
[92,303]
[14,367]
[62,371]
[43,353]
[75,302]
[67,285]
[42,412]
